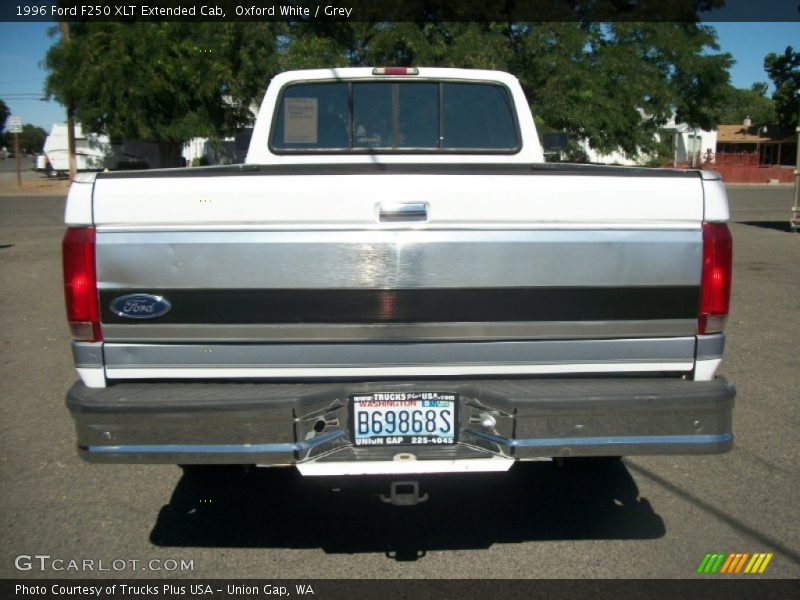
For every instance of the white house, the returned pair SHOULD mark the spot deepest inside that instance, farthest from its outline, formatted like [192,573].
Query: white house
[685,141]
[688,141]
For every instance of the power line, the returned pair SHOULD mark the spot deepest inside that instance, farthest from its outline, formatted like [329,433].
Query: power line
[19,81]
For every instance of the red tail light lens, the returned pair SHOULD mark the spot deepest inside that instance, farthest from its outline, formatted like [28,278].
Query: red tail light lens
[395,71]
[80,284]
[715,285]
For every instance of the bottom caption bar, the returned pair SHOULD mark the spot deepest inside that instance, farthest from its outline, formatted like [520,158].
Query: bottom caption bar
[406,589]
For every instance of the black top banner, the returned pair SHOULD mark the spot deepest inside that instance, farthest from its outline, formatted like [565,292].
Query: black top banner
[403,10]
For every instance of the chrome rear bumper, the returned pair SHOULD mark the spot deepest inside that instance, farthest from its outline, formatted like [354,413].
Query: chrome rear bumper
[308,424]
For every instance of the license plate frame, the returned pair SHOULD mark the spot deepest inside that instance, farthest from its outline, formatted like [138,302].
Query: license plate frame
[369,403]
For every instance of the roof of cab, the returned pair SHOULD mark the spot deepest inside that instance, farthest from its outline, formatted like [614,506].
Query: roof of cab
[367,73]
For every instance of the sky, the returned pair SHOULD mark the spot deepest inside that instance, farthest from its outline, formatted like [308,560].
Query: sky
[23,47]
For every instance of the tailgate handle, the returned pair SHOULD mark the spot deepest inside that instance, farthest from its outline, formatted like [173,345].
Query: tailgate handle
[403,211]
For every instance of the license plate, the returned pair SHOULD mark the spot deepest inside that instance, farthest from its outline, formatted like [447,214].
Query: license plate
[415,418]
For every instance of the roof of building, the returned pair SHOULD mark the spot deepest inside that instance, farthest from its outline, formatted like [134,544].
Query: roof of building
[738,134]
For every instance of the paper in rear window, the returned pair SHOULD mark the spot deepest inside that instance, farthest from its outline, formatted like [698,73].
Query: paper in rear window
[300,121]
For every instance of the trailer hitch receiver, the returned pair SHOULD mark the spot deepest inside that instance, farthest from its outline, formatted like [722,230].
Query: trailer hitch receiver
[404,493]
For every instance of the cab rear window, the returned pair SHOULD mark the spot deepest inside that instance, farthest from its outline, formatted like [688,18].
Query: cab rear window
[390,116]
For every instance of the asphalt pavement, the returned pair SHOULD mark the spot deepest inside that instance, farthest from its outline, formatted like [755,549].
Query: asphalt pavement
[653,517]
[9,165]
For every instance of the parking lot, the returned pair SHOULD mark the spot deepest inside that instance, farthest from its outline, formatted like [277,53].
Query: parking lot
[650,517]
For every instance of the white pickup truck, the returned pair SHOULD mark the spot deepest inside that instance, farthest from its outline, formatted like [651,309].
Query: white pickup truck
[395,282]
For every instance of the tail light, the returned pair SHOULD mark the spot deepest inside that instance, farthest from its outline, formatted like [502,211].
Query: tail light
[80,284]
[715,285]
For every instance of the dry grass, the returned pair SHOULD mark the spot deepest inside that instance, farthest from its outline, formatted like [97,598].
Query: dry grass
[33,184]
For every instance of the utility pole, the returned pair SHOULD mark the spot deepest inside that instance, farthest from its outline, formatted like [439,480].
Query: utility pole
[70,111]
[16,156]
[15,127]
[675,147]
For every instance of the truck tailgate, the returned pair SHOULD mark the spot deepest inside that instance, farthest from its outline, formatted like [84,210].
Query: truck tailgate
[291,272]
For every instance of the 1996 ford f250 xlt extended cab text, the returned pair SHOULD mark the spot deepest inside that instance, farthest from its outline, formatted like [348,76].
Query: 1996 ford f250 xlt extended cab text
[396,283]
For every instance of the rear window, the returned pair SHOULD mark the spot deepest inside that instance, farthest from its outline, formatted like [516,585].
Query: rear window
[392,116]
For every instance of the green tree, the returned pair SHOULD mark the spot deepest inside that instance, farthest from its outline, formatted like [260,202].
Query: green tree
[784,71]
[5,112]
[743,103]
[612,84]
[31,140]
[163,82]
[700,77]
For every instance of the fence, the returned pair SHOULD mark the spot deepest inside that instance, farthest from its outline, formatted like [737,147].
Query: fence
[741,167]
[744,159]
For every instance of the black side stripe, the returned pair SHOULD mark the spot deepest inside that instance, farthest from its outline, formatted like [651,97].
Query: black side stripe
[417,305]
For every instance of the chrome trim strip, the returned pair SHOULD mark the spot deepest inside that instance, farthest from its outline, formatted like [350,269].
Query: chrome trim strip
[408,467]
[705,370]
[525,443]
[408,332]
[407,259]
[242,357]
[510,225]
[607,440]
[710,346]
[93,377]
[214,448]
[192,449]
[391,371]
[87,354]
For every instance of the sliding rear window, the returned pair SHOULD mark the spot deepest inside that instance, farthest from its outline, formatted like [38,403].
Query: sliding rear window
[388,116]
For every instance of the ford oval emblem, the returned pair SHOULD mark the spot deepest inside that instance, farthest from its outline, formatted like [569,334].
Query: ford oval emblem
[140,306]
